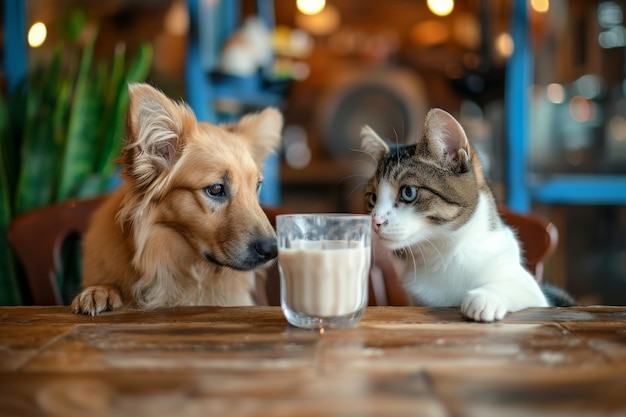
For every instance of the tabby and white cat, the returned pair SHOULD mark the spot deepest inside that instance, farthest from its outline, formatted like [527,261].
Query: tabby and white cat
[431,205]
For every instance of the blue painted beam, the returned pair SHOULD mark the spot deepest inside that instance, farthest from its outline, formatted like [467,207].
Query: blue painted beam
[15,46]
[581,189]
[518,80]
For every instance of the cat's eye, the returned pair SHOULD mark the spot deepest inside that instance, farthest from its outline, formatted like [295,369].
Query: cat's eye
[371,199]
[216,190]
[408,193]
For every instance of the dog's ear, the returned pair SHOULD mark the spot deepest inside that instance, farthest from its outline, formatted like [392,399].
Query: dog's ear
[155,129]
[263,131]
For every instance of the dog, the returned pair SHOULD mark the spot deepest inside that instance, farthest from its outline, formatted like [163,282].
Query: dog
[185,227]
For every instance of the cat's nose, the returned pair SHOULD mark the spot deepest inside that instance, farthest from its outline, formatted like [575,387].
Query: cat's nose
[378,221]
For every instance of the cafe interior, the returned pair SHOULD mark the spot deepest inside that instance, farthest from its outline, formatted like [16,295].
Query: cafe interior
[542,102]
[539,87]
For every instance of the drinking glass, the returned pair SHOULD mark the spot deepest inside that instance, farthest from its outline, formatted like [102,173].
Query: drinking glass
[324,262]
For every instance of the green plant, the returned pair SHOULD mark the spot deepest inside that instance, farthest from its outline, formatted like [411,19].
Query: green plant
[61,130]
[9,289]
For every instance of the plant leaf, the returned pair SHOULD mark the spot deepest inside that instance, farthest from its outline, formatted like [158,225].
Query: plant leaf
[82,129]
[9,289]
[39,154]
[137,72]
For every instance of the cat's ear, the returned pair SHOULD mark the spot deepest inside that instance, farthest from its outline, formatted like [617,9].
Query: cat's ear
[372,144]
[446,141]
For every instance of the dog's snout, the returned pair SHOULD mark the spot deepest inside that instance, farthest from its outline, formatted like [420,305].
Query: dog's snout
[267,248]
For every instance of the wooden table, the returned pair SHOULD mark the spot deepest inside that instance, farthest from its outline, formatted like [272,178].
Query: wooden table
[399,361]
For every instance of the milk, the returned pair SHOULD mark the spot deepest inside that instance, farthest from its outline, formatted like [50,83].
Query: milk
[324,278]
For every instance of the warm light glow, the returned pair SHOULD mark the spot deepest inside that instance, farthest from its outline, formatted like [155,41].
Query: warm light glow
[466,31]
[504,45]
[581,109]
[310,7]
[429,33]
[617,128]
[555,93]
[441,7]
[177,19]
[324,23]
[541,6]
[37,35]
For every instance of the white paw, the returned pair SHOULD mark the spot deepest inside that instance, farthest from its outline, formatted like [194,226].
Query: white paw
[483,305]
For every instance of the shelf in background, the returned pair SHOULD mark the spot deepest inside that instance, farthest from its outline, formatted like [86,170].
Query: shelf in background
[580,189]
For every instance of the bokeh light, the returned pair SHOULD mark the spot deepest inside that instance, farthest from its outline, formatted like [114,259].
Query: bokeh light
[440,7]
[310,7]
[555,93]
[589,86]
[617,128]
[504,45]
[541,6]
[581,109]
[37,35]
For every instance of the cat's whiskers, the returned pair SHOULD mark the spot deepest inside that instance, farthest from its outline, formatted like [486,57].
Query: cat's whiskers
[368,154]
[397,145]
[356,187]
[369,167]
[364,177]
[435,248]
[347,177]
[414,262]
[409,250]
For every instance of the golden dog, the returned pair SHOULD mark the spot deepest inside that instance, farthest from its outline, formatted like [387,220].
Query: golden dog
[185,227]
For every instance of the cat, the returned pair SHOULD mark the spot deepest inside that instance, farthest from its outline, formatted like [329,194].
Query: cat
[431,204]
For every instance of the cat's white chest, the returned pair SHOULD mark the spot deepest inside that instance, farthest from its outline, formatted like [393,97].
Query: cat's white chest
[444,265]
[452,270]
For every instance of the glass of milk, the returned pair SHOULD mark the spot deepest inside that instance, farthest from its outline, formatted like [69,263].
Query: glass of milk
[324,262]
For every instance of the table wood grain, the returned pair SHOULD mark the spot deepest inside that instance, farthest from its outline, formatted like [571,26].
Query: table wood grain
[398,361]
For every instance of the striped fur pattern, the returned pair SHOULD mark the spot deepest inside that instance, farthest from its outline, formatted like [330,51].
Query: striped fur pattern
[431,204]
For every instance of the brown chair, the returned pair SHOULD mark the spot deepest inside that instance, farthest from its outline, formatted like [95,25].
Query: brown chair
[37,237]
[538,238]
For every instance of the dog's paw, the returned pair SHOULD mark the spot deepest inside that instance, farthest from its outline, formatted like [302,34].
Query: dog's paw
[96,299]
[483,305]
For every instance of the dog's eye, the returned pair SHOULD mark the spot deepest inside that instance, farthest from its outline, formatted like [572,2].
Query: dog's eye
[258,187]
[215,190]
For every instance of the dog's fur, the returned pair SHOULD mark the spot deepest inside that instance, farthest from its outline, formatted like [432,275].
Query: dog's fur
[185,227]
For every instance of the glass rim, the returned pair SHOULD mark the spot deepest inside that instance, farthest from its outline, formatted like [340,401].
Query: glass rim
[328,215]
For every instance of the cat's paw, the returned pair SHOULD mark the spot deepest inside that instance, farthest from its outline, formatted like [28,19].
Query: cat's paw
[483,305]
[96,299]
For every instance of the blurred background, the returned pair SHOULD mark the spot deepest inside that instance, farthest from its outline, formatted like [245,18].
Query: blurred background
[539,86]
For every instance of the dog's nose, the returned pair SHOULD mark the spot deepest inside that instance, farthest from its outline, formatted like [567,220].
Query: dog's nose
[267,249]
